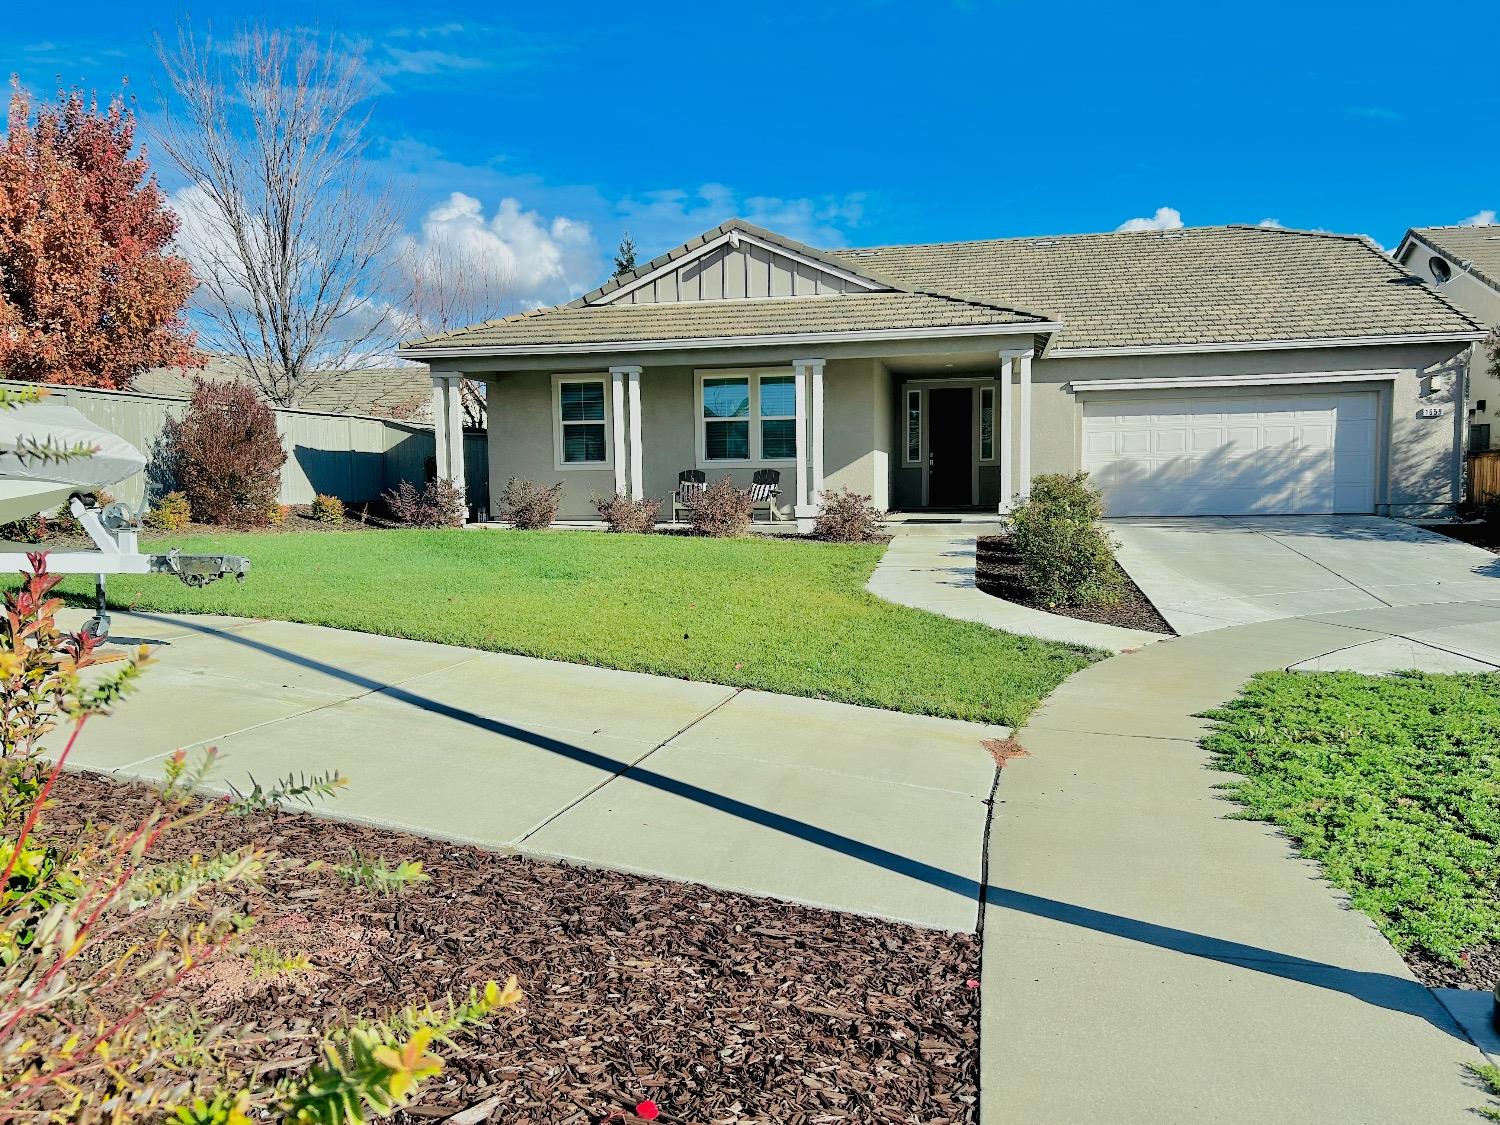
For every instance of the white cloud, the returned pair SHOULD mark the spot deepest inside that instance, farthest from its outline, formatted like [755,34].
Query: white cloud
[1271,224]
[660,220]
[540,261]
[1166,218]
[1484,218]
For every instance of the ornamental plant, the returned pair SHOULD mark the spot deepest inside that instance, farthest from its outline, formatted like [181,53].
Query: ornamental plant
[100,941]
[722,511]
[1067,558]
[325,509]
[847,517]
[621,513]
[528,505]
[225,454]
[438,504]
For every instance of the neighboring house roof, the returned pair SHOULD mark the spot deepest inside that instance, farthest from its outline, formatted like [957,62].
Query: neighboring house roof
[698,320]
[1476,249]
[403,393]
[1198,286]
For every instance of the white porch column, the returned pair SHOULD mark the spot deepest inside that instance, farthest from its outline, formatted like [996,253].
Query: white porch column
[617,424]
[810,372]
[1003,426]
[1023,424]
[799,392]
[448,427]
[637,451]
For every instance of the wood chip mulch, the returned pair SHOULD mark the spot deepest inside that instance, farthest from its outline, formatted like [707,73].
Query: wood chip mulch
[1480,968]
[718,1007]
[997,571]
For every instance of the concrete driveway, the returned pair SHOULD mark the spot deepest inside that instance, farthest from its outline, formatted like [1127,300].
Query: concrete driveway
[1409,598]
[846,807]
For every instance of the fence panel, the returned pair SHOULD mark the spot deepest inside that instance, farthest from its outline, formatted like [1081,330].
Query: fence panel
[1484,476]
[353,458]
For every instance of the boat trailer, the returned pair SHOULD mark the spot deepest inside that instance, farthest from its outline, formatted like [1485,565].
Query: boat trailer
[114,530]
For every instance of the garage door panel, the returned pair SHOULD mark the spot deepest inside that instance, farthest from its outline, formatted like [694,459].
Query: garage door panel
[1159,453]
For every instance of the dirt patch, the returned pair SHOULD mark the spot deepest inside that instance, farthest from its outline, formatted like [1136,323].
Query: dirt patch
[718,1007]
[997,571]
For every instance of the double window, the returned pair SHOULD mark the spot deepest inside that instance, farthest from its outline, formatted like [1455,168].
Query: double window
[581,408]
[747,416]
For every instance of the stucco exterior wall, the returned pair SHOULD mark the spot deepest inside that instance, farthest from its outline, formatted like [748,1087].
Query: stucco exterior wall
[522,425]
[1420,474]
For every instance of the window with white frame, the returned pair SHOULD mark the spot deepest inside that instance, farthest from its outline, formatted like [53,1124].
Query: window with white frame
[747,416]
[581,409]
[913,423]
[986,423]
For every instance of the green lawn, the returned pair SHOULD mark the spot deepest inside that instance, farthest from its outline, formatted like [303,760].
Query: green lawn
[1392,783]
[786,616]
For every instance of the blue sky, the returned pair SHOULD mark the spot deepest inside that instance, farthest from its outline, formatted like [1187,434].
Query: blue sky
[866,123]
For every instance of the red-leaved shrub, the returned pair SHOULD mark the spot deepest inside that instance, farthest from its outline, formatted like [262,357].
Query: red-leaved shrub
[722,511]
[847,517]
[437,505]
[621,513]
[225,454]
[528,505]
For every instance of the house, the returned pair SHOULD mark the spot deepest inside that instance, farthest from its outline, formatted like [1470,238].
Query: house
[1463,264]
[397,393]
[1200,371]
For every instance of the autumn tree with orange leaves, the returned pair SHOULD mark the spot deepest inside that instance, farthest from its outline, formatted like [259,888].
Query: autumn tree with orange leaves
[90,292]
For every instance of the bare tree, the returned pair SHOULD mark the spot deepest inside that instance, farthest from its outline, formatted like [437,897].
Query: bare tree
[450,285]
[286,228]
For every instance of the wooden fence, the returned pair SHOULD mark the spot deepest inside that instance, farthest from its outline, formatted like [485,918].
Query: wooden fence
[1484,476]
[353,458]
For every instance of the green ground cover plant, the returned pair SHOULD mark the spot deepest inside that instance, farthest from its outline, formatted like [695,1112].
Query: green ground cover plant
[1392,783]
[782,615]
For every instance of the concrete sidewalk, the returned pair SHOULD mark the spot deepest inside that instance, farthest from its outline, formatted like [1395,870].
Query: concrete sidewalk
[932,568]
[1149,959]
[845,807]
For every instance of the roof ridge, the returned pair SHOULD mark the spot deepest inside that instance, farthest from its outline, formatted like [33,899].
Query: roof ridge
[1097,234]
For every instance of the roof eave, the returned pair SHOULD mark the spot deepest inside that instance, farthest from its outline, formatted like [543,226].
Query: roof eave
[1272,345]
[480,351]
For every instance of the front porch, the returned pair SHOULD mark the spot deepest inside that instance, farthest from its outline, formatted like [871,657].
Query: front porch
[926,436]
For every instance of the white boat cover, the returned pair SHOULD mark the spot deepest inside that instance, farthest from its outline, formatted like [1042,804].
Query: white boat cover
[46,422]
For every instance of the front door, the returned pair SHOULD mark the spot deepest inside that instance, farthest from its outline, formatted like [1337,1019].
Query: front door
[950,447]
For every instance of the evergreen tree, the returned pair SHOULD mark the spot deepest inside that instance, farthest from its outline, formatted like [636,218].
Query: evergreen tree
[625,255]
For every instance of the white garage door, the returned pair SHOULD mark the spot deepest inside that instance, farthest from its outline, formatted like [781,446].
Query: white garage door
[1166,453]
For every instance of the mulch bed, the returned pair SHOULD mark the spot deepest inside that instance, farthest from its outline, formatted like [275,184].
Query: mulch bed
[1486,535]
[719,1007]
[1480,968]
[997,571]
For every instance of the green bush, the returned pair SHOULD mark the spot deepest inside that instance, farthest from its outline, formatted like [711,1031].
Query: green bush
[171,513]
[1066,557]
[326,509]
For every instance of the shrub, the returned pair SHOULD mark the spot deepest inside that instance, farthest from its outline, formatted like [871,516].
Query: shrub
[528,505]
[277,514]
[847,517]
[225,454]
[621,513]
[326,509]
[27,529]
[171,513]
[372,873]
[1067,558]
[437,505]
[722,511]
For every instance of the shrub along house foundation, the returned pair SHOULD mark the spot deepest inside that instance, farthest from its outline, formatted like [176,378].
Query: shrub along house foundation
[1223,370]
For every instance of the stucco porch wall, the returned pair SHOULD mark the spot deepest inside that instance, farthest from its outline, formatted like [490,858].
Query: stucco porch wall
[1420,472]
[858,432]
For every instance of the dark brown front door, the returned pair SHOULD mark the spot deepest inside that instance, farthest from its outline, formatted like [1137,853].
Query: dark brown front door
[950,447]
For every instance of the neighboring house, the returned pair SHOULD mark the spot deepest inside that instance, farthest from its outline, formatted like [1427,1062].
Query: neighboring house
[1202,371]
[1463,264]
[399,393]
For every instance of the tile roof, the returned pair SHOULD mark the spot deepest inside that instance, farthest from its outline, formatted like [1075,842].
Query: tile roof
[398,393]
[689,320]
[1202,285]
[1476,248]
[1196,285]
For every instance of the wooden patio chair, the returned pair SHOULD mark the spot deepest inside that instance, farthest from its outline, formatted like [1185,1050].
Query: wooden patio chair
[765,488]
[690,486]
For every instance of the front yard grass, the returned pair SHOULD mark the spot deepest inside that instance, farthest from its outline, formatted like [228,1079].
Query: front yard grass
[1392,783]
[782,615]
